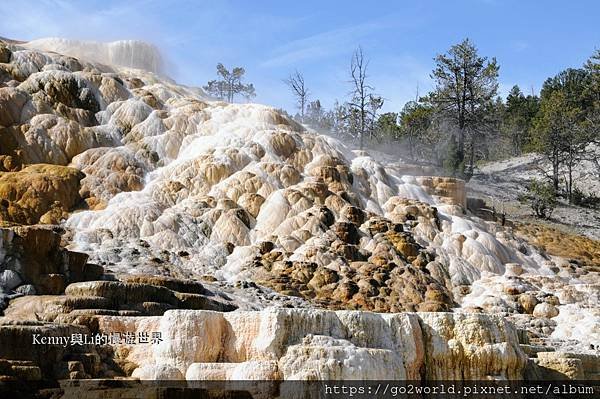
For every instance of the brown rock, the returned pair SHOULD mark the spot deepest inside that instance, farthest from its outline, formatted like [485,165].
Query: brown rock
[45,357]
[150,294]
[5,53]
[36,190]
[11,105]
[552,300]
[404,244]
[174,284]
[345,291]
[432,306]
[9,163]
[251,203]
[36,253]
[378,225]
[354,215]
[283,144]
[322,277]
[347,232]
[560,366]
[451,190]
[528,302]
[545,310]
[53,283]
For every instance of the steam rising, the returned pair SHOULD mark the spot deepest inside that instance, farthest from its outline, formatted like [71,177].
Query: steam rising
[183,186]
[127,53]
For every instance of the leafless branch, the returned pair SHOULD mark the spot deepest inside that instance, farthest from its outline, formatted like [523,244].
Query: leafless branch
[296,83]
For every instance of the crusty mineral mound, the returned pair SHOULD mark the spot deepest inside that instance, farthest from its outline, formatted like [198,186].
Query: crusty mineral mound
[287,344]
[157,182]
[39,193]
[314,344]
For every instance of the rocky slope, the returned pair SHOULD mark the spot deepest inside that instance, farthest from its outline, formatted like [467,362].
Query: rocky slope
[159,188]
[501,183]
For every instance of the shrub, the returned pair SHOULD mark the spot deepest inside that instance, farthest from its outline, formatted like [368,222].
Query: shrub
[578,197]
[541,196]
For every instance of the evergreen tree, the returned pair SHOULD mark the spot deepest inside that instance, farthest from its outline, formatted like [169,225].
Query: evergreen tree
[518,118]
[317,118]
[230,84]
[387,125]
[415,122]
[555,135]
[592,115]
[573,83]
[592,90]
[561,128]
[465,84]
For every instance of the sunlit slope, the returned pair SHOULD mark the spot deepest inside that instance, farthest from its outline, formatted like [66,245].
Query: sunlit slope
[172,182]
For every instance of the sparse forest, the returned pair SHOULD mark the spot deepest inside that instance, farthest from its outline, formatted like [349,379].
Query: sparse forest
[464,120]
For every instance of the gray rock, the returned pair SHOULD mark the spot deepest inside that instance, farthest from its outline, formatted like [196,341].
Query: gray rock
[26,289]
[9,279]
[545,310]
[3,300]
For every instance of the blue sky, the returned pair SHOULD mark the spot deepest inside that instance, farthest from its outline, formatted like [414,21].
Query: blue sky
[531,40]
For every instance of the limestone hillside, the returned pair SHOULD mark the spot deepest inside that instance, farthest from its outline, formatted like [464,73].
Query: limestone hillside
[131,203]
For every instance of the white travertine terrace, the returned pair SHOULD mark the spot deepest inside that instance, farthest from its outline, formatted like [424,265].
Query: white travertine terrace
[167,171]
[297,344]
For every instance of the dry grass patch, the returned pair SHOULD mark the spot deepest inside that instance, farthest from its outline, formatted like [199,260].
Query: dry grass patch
[560,243]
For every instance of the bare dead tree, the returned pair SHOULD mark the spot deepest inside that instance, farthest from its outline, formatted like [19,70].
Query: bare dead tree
[361,91]
[296,83]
